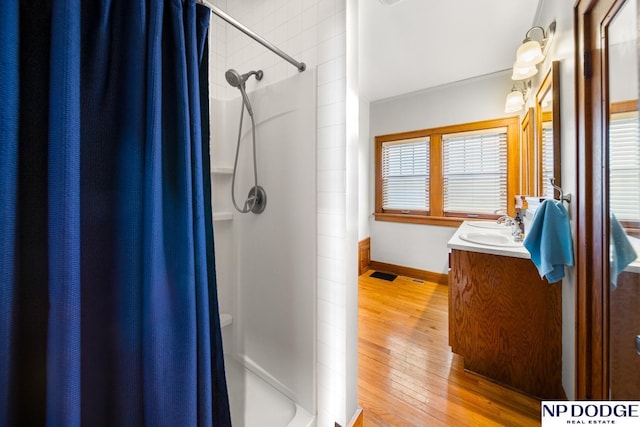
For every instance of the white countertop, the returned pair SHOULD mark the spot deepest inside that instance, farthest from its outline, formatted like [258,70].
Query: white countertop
[516,251]
[634,267]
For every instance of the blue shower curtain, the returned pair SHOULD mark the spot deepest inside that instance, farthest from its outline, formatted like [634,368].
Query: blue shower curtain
[108,307]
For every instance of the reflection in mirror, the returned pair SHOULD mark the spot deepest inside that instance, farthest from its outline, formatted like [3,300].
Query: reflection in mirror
[624,142]
[548,133]
[527,141]
[622,185]
[547,170]
[624,175]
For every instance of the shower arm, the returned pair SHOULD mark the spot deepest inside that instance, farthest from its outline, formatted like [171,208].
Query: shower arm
[301,66]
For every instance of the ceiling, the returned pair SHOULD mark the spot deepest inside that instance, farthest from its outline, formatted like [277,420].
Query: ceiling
[418,44]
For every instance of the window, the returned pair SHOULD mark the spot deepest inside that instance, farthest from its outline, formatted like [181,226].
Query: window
[405,176]
[624,158]
[444,175]
[475,172]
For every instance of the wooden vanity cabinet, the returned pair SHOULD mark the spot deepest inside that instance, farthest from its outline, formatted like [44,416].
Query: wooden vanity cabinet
[506,322]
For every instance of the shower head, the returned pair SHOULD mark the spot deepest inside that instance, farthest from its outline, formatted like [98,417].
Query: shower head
[233,78]
[236,80]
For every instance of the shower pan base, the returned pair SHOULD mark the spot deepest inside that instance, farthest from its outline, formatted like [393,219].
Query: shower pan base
[255,403]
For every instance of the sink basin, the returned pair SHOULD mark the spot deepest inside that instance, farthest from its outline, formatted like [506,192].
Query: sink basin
[490,239]
[492,225]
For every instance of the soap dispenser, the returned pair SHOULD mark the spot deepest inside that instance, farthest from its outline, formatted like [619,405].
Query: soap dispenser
[518,227]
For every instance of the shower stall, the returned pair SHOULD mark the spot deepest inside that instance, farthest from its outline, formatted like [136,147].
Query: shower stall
[263,143]
[266,261]
[287,285]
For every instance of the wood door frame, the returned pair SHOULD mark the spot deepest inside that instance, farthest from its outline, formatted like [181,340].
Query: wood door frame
[592,298]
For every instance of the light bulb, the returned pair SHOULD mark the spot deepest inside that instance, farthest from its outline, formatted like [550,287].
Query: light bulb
[529,53]
[523,71]
[514,102]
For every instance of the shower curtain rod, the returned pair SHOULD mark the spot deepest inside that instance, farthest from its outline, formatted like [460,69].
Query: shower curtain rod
[299,65]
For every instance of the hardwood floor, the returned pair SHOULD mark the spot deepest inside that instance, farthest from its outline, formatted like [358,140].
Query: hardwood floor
[407,374]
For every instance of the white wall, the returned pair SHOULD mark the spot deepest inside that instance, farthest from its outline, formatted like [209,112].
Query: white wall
[624,79]
[315,32]
[352,118]
[420,246]
[365,149]
[562,49]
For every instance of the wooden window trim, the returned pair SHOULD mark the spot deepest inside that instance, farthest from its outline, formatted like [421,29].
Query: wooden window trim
[436,215]
[628,106]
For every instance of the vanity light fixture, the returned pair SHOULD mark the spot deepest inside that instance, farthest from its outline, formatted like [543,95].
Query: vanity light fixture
[517,97]
[532,51]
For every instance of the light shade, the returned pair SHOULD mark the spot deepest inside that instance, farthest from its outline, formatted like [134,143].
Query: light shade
[529,53]
[523,71]
[514,102]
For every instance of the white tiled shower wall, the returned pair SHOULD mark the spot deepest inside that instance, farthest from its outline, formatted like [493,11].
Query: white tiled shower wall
[314,32]
[310,31]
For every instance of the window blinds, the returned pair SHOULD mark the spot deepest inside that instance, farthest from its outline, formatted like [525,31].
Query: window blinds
[624,166]
[547,159]
[405,175]
[475,172]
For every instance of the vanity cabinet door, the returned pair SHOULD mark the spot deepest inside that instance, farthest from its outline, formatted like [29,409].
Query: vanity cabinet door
[506,322]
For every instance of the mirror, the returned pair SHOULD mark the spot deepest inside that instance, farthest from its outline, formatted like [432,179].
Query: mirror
[547,150]
[622,184]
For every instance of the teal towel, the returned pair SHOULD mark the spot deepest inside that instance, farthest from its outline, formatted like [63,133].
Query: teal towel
[549,240]
[621,253]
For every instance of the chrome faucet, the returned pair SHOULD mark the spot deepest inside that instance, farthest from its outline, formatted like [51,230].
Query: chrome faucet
[507,220]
